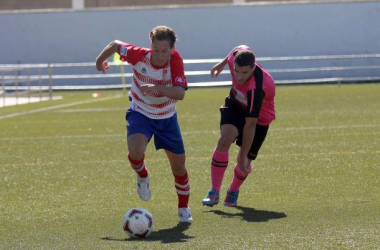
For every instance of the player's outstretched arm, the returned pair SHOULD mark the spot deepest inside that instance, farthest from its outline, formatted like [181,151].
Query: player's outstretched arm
[109,50]
[217,68]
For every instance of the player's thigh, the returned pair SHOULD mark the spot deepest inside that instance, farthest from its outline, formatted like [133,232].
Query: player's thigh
[177,162]
[137,145]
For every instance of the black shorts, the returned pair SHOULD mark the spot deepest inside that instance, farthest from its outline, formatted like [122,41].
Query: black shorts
[233,114]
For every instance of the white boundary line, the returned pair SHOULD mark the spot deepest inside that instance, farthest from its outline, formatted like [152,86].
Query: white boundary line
[186,133]
[335,153]
[57,107]
[326,127]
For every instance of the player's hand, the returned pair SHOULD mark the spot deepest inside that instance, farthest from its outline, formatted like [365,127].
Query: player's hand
[215,71]
[105,66]
[147,88]
[243,164]
[102,66]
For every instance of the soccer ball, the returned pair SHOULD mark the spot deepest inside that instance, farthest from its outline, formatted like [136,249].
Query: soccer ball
[138,223]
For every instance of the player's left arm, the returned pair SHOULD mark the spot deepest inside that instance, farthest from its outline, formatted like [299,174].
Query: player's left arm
[173,92]
[255,98]
[178,79]
[248,135]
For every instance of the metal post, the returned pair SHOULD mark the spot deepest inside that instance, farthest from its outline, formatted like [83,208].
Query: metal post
[3,84]
[40,84]
[50,82]
[16,84]
[339,72]
[28,81]
[77,4]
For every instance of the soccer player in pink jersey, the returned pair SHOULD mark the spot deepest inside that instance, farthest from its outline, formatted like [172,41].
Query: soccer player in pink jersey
[158,83]
[245,117]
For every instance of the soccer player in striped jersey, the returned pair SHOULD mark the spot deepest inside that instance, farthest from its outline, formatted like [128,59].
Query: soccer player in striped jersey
[158,83]
[245,117]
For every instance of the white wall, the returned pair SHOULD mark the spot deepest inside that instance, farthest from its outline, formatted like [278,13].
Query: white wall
[204,32]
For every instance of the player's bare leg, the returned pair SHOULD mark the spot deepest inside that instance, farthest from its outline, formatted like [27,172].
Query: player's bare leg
[136,146]
[233,191]
[181,183]
[228,134]
[219,163]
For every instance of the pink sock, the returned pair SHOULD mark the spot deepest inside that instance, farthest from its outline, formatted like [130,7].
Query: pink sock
[218,167]
[238,179]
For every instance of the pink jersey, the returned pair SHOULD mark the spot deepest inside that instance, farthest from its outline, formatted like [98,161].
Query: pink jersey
[256,95]
[153,105]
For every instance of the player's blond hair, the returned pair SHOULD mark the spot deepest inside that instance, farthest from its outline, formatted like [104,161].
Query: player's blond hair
[163,33]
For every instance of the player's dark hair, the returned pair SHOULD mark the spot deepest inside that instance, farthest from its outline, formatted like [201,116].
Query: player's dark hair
[163,33]
[245,58]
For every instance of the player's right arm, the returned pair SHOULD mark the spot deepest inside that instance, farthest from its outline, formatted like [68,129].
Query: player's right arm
[218,68]
[109,50]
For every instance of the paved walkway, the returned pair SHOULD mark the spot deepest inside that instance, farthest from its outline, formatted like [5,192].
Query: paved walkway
[11,101]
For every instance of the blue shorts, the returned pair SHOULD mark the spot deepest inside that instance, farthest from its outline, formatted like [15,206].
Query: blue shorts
[167,134]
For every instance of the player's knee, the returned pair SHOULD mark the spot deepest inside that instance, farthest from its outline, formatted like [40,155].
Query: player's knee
[224,143]
[178,167]
[136,154]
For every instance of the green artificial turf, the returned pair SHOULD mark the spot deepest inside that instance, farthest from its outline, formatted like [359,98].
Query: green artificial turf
[65,182]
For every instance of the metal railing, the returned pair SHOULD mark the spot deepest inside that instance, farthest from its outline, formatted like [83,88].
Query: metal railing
[19,77]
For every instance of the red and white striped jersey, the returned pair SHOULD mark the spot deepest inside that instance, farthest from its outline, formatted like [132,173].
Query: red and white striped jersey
[153,105]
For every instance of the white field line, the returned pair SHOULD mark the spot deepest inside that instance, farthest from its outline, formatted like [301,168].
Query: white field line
[335,153]
[326,127]
[58,107]
[86,110]
[184,133]
[363,152]
[295,128]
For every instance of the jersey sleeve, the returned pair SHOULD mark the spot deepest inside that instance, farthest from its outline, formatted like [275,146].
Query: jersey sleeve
[131,53]
[255,97]
[177,71]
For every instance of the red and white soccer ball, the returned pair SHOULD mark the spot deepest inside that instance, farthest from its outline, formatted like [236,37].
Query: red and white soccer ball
[138,223]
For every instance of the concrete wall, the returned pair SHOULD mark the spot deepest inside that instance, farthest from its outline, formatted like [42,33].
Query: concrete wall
[33,4]
[56,4]
[113,3]
[204,32]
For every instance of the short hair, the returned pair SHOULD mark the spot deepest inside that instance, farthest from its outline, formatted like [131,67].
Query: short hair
[245,58]
[163,33]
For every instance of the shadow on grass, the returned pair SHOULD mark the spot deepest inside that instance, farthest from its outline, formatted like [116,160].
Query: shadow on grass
[251,214]
[171,235]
